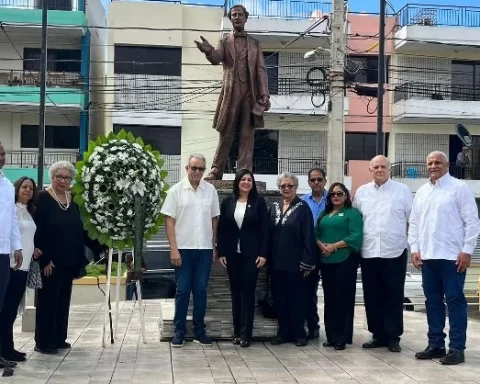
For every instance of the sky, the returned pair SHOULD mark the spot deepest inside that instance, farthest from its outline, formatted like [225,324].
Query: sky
[370,6]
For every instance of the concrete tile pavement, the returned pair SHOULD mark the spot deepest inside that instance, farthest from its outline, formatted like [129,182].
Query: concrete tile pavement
[131,361]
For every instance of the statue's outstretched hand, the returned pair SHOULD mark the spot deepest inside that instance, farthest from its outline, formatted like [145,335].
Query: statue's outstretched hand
[204,46]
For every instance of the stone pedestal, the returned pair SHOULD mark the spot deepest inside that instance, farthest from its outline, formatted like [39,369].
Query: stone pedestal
[28,319]
[219,303]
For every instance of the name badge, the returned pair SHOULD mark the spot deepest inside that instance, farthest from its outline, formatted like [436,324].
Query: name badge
[341,214]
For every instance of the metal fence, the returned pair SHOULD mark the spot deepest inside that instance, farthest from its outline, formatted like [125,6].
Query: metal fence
[275,166]
[432,91]
[443,15]
[29,159]
[58,5]
[32,78]
[418,170]
[285,9]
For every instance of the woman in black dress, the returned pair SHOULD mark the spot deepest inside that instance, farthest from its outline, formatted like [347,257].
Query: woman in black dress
[242,249]
[61,238]
[292,257]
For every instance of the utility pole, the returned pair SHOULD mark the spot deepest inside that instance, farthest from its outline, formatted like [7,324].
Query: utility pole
[381,78]
[43,86]
[336,124]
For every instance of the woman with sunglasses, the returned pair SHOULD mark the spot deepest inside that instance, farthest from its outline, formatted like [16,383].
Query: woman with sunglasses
[242,249]
[339,234]
[292,257]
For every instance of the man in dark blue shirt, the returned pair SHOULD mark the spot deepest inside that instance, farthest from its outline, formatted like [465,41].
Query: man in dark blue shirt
[316,200]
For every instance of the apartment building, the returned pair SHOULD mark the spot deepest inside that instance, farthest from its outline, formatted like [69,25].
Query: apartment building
[75,68]
[435,84]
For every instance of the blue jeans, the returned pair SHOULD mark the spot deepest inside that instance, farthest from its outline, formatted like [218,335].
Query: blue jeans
[131,289]
[192,277]
[442,281]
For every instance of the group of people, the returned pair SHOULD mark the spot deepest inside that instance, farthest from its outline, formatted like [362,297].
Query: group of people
[41,231]
[326,236]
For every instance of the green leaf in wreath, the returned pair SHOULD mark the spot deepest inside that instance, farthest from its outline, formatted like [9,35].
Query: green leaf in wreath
[78,189]
[111,136]
[148,148]
[140,141]
[130,137]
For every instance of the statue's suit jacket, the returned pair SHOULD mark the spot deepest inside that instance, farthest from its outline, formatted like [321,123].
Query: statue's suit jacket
[225,53]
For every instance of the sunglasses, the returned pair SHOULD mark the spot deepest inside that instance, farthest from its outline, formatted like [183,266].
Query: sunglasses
[195,169]
[318,180]
[287,186]
[337,194]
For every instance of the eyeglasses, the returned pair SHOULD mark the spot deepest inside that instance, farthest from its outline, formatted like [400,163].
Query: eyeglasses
[66,179]
[337,194]
[316,179]
[193,168]
[287,186]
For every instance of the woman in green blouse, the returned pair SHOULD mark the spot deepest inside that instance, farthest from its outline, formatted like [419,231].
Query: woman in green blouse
[339,234]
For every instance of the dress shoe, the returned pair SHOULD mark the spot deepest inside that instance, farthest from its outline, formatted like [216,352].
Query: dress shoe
[431,353]
[278,340]
[313,334]
[328,344]
[64,345]
[22,353]
[301,342]
[6,364]
[245,343]
[453,358]
[236,341]
[46,351]
[14,356]
[374,343]
[340,346]
[394,346]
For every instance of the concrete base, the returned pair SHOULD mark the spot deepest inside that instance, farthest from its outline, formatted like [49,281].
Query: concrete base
[28,319]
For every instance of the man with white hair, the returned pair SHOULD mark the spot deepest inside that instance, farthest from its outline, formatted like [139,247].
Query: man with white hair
[385,205]
[192,211]
[10,238]
[443,232]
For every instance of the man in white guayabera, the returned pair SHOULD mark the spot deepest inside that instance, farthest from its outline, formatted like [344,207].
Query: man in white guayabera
[10,238]
[385,205]
[192,211]
[443,231]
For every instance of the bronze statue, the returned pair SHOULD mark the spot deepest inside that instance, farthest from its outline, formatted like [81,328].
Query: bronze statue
[244,96]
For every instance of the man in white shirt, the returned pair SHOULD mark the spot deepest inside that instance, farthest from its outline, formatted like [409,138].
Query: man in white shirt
[443,232]
[10,239]
[192,211]
[385,205]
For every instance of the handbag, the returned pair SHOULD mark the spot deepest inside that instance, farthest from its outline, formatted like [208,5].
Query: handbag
[34,278]
[267,305]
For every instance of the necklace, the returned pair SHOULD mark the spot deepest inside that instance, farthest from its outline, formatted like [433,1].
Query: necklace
[62,206]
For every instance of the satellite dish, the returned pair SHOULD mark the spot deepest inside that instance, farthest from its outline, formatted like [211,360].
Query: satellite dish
[464,134]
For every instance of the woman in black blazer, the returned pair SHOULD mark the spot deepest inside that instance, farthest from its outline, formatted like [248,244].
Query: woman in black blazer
[242,247]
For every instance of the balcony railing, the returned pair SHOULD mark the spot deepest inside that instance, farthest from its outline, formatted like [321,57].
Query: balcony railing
[275,166]
[32,78]
[434,91]
[418,170]
[148,92]
[441,15]
[57,5]
[285,9]
[29,159]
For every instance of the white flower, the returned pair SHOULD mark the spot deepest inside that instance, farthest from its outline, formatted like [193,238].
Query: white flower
[130,212]
[122,184]
[99,178]
[139,187]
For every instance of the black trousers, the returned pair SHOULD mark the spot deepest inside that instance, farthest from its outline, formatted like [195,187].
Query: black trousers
[312,318]
[289,290]
[383,292]
[243,275]
[53,307]
[339,286]
[15,291]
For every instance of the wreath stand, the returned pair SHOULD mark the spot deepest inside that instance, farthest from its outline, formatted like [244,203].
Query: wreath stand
[108,310]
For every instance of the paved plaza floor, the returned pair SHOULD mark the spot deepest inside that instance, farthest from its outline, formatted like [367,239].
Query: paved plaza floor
[131,361]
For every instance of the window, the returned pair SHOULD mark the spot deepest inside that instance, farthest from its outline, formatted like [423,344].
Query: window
[148,60]
[363,69]
[271,61]
[465,80]
[59,5]
[362,146]
[58,60]
[167,140]
[56,136]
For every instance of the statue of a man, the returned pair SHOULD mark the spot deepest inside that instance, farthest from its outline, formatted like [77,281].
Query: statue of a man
[244,96]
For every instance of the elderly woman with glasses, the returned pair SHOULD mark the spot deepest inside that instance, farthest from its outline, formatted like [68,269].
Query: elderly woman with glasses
[61,237]
[292,256]
[339,233]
